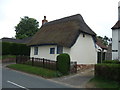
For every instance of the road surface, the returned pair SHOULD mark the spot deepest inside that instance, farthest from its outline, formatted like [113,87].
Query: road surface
[15,79]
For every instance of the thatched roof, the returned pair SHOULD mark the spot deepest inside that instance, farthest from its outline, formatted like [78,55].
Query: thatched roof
[62,32]
[116,26]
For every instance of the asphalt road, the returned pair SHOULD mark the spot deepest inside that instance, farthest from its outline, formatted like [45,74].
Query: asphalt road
[15,79]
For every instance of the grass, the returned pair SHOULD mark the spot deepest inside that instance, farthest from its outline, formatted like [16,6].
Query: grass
[35,70]
[103,83]
[0,57]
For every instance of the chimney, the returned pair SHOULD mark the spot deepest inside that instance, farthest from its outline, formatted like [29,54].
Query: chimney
[119,10]
[44,20]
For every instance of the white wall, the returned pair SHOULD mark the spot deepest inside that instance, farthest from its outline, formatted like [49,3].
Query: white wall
[114,44]
[44,52]
[84,51]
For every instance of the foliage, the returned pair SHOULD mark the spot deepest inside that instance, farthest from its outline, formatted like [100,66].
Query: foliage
[108,71]
[63,63]
[8,56]
[105,39]
[112,61]
[15,49]
[27,27]
[98,82]
[35,70]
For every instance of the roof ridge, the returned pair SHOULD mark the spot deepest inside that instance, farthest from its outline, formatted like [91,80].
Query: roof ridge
[65,19]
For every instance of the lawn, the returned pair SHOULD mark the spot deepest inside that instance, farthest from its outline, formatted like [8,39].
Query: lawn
[35,70]
[102,83]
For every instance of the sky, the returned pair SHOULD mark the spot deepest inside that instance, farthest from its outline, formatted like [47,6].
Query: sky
[100,15]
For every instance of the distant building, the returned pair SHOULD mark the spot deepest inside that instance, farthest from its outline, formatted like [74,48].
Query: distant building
[116,38]
[13,40]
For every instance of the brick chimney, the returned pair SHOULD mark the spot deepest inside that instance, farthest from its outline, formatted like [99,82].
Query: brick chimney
[44,20]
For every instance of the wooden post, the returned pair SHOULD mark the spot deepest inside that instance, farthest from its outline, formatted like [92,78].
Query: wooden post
[32,61]
[16,59]
[43,62]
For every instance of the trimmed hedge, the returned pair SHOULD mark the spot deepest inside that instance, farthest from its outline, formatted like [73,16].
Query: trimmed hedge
[15,49]
[108,71]
[63,63]
[112,61]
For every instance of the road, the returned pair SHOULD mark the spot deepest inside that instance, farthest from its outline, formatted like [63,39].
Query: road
[15,79]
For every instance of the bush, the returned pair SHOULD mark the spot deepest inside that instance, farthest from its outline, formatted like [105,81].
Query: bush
[5,48]
[63,63]
[108,71]
[112,61]
[15,49]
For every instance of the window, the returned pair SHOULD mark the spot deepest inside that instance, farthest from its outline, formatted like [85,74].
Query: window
[35,50]
[114,50]
[52,50]
[59,49]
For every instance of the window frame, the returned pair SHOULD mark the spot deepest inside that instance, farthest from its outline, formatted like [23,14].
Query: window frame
[35,50]
[52,50]
[59,49]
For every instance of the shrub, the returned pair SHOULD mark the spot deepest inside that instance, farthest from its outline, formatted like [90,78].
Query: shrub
[108,71]
[112,61]
[15,49]
[63,63]
[5,48]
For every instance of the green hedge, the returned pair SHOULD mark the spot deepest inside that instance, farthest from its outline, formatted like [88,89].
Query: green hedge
[108,71]
[15,49]
[63,63]
[112,61]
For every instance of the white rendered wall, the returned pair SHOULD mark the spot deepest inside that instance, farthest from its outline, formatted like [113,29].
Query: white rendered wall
[44,52]
[119,44]
[114,44]
[84,51]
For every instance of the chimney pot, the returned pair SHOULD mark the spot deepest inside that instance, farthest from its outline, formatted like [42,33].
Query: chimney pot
[44,20]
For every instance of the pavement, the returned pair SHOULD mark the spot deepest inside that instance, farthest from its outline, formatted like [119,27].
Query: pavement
[78,80]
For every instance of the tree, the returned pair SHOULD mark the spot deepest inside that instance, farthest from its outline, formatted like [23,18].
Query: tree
[27,27]
[105,40]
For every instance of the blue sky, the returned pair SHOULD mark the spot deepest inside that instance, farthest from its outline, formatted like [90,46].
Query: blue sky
[100,15]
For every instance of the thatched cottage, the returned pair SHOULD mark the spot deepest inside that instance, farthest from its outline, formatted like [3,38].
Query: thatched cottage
[67,35]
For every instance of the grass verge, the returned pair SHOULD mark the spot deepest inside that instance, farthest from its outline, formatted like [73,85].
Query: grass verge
[35,70]
[102,83]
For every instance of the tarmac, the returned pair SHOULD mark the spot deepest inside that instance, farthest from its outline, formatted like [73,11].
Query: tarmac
[77,80]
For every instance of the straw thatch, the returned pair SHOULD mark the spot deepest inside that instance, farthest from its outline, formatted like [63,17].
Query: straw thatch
[116,26]
[62,32]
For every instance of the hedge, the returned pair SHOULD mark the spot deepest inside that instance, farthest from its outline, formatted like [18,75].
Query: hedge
[15,49]
[108,71]
[112,61]
[63,63]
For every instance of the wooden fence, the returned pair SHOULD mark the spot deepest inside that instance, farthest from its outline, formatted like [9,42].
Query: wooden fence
[42,62]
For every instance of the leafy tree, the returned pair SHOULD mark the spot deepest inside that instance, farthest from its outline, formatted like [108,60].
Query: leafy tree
[27,27]
[105,40]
